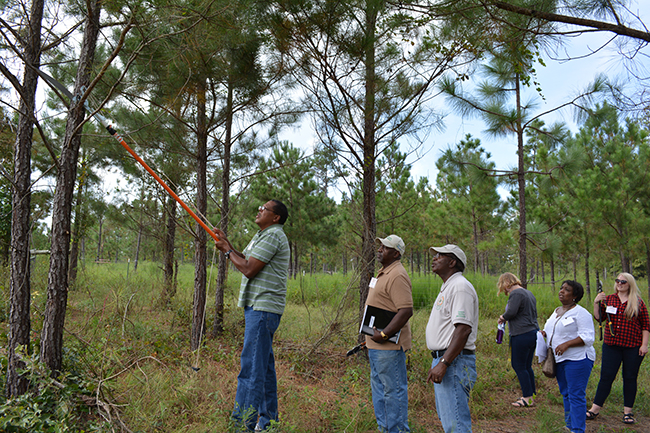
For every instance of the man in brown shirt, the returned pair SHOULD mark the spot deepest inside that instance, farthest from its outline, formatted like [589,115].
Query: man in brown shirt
[390,290]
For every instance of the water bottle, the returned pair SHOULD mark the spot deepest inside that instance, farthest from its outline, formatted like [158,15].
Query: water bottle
[501,327]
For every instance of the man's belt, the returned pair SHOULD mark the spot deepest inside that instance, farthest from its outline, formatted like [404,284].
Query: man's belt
[438,353]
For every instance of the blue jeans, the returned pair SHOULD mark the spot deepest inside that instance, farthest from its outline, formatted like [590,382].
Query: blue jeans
[257,388]
[522,350]
[612,358]
[389,389]
[572,378]
[452,394]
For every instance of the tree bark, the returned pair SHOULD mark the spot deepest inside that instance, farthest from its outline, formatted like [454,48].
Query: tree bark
[168,264]
[618,29]
[76,232]
[587,279]
[20,291]
[222,273]
[200,254]
[57,284]
[647,264]
[521,184]
[367,265]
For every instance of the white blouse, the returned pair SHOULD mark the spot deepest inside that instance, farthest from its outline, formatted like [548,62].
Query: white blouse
[577,322]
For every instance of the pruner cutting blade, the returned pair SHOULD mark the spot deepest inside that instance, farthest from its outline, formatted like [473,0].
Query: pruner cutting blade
[355,349]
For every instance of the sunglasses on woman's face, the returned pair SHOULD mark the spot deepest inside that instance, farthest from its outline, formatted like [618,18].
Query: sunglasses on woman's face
[621,281]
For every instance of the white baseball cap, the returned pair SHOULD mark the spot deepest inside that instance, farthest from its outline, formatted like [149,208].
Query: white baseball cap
[452,249]
[393,241]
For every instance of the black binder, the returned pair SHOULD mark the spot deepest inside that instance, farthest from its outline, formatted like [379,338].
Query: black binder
[378,318]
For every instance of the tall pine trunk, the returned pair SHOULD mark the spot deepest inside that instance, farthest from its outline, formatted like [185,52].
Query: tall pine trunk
[57,284]
[222,272]
[367,265]
[200,254]
[76,232]
[521,185]
[20,292]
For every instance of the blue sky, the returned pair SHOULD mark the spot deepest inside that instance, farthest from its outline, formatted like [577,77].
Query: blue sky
[561,79]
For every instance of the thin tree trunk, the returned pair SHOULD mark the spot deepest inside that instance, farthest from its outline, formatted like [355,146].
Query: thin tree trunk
[51,352]
[647,264]
[200,255]
[367,264]
[521,184]
[170,240]
[222,273]
[553,274]
[137,246]
[99,239]
[76,232]
[587,279]
[20,291]
[475,240]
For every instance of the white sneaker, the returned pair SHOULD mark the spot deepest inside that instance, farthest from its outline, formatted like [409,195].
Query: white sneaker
[257,427]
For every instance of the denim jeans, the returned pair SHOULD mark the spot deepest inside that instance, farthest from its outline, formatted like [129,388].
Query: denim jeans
[389,389]
[452,394]
[612,358]
[522,350]
[572,378]
[257,389]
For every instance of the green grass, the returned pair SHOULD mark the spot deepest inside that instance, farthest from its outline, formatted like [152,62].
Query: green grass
[136,356]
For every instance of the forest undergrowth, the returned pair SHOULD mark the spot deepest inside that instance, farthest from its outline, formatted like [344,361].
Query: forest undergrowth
[134,370]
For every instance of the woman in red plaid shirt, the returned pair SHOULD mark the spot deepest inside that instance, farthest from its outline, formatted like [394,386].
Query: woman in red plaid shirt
[627,328]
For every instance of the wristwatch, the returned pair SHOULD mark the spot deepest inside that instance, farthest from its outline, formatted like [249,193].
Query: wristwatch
[448,364]
[227,253]
[384,336]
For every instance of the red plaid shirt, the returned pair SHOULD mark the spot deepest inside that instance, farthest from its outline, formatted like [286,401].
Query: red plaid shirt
[626,333]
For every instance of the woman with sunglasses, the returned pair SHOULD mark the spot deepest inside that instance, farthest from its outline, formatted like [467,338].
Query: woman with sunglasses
[627,327]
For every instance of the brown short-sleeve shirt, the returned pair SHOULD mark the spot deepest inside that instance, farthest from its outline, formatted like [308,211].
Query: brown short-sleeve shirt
[392,292]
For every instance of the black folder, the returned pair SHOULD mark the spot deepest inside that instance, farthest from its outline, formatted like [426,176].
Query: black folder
[378,318]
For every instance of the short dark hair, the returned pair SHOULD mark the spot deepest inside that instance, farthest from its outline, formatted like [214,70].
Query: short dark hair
[576,289]
[280,209]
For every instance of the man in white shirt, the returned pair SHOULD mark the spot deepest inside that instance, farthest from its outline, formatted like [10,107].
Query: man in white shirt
[451,337]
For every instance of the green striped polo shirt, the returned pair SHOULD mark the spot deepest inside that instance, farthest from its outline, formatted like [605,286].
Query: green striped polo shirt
[267,291]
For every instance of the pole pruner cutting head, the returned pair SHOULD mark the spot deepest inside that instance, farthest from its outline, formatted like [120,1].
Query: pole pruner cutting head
[356,349]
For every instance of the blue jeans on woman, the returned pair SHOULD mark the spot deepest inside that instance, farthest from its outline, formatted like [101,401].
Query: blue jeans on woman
[452,394]
[612,358]
[522,350]
[257,388]
[572,378]
[389,386]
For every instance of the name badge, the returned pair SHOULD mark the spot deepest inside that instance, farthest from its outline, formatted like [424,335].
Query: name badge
[610,310]
[567,320]
[373,282]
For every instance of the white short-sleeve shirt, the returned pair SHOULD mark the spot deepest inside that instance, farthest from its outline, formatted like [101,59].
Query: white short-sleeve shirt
[456,303]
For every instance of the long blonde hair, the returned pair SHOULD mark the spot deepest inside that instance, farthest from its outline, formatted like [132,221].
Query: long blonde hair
[632,309]
[507,280]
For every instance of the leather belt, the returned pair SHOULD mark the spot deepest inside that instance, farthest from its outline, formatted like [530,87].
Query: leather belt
[438,353]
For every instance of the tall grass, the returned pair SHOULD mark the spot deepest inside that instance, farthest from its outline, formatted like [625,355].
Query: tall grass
[137,355]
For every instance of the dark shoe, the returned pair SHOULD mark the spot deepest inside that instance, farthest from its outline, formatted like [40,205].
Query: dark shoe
[628,418]
[591,416]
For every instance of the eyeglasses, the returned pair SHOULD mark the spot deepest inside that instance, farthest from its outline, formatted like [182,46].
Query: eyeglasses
[438,255]
[262,209]
[621,281]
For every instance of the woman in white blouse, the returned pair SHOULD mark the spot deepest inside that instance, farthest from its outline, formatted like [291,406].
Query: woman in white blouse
[570,332]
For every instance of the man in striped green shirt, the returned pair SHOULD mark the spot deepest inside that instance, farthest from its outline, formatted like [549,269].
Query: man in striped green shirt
[264,264]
